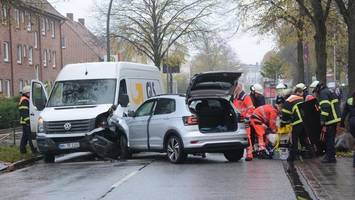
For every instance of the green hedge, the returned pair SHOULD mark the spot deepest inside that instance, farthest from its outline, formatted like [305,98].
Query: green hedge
[8,112]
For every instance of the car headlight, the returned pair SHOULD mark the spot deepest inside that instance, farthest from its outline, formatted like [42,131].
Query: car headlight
[40,126]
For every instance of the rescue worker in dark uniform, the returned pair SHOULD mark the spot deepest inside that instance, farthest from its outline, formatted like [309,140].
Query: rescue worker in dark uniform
[349,109]
[23,107]
[329,118]
[291,114]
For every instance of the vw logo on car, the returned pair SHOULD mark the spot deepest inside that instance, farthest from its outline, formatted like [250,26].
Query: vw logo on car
[67,126]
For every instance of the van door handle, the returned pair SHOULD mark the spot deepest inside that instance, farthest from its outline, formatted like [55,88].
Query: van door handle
[32,114]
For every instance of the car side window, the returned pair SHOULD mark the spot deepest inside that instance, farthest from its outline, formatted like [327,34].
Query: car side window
[123,87]
[165,106]
[145,109]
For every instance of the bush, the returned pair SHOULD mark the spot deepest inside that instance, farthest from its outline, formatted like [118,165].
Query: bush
[8,112]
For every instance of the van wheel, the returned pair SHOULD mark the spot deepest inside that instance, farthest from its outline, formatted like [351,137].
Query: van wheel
[49,158]
[125,153]
[174,149]
[234,155]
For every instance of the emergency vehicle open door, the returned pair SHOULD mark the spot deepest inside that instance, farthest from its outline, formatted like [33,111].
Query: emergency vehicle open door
[38,100]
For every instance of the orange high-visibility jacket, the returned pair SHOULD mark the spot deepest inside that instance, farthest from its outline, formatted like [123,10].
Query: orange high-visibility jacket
[244,104]
[266,114]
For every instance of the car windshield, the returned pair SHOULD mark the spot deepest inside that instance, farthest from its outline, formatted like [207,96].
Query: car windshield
[82,92]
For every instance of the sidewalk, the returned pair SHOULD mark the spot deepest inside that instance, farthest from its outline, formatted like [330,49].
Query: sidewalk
[329,181]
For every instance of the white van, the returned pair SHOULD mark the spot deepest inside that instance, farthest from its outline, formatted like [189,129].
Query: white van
[88,98]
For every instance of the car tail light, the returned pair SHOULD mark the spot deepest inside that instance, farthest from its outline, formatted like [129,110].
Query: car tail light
[190,120]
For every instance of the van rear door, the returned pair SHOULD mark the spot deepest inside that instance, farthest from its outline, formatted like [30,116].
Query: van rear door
[38,100]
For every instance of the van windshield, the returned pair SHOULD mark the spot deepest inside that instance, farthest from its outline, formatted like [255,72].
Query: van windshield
[82,92]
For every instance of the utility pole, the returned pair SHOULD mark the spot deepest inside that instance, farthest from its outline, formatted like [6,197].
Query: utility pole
[108,31]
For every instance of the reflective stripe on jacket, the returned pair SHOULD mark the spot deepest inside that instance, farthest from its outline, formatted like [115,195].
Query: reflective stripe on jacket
[291,113]
[329,107]
[23,107]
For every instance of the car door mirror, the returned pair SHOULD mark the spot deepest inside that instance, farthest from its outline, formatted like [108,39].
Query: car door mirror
[131,113]
[40,104]
[123,99]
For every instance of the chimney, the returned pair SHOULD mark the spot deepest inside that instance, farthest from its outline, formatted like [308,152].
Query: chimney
[70,16]
[82,21]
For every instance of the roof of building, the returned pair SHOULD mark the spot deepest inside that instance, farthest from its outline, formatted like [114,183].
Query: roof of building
[40,6]
[88,37]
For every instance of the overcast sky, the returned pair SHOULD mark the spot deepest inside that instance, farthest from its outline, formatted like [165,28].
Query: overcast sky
[249,48]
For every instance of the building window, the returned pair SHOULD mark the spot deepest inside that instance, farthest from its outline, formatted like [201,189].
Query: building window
[20,85]
[45,57]
[47,25]
[0,86]
[19,54]
[6,51]
[35,38]
[49,56]
[29,23]
[7,88]
[52,29]
[30,55]
[43,24]
[54,59]
[17,16]
[24,51]
[4,14]
[63,42]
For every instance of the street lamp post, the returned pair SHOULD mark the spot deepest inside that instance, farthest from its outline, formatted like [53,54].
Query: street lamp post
[108,31]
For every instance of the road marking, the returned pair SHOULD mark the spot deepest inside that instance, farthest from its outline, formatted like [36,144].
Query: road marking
[118,183]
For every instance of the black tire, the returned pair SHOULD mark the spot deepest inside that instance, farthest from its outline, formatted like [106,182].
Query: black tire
[49,158]
[174,150]
[234,155]
[124,150]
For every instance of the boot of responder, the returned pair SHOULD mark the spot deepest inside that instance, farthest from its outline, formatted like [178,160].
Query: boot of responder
[249,156]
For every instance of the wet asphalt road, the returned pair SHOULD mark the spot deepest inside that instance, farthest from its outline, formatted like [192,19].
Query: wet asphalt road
[149,177]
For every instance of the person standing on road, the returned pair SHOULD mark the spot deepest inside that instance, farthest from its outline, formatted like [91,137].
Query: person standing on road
[257,95]
[291,114]
[349,109]
[329,118]
[263,118]
[244,105]
[23,107]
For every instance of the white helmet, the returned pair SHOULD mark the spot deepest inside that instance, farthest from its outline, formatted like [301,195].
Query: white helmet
[26,89]
[257,88]
[301,86]
[281,86]
[314,84]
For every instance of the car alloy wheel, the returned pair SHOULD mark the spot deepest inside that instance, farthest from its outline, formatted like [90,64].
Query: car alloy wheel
[174,150]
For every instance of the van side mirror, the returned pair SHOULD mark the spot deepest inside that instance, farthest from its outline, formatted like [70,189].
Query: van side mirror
[123,100]
[40,104]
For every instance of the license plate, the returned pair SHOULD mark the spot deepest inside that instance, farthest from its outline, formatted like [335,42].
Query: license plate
[73,145]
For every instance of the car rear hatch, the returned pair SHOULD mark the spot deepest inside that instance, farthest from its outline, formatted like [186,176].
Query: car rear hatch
[208,97]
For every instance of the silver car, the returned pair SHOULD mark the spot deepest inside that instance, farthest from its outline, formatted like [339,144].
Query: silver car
[202,121]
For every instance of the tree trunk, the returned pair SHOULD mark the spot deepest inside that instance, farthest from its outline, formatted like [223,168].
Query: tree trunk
[320,40]
[351,57]
[300,61]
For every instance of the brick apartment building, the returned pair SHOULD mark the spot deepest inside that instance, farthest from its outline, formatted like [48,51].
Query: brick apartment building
[37,41]
[79,44]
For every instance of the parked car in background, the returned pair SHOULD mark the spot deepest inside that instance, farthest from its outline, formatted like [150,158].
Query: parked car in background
[202,121]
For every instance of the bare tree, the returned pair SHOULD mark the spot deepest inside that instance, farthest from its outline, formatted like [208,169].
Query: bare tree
[153,26]
[317,11]
[347,10]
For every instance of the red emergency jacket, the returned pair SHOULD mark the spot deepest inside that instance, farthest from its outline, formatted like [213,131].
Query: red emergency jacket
[266,114]
[244,104]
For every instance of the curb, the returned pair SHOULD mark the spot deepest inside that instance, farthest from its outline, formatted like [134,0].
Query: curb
[20,164]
